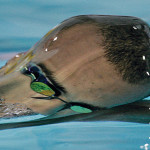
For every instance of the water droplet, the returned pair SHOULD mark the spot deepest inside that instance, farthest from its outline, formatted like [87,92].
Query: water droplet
[143,57]
[17,56]
[141,147]
[55,39]
[134,27]
[137,27]
[147,73]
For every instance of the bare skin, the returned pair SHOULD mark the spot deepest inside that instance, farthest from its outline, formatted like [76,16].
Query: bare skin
[76,58]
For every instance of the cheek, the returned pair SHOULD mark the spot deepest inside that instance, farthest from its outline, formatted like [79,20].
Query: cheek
[83,84]
[81,88]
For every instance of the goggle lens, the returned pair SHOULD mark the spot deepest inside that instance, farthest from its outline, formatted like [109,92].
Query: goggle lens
[42,88]
[39,82]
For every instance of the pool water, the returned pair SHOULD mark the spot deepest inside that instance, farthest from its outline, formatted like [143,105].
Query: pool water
[78,135]
[23,23]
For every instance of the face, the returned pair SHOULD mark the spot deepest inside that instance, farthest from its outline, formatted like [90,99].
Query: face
[72,60]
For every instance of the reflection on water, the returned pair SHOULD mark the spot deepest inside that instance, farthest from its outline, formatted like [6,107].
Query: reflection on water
[78,135]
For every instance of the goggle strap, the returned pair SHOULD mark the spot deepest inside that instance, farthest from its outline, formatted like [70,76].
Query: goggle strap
[55,97]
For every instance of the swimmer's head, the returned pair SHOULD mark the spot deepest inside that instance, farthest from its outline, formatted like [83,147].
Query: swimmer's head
[92,60]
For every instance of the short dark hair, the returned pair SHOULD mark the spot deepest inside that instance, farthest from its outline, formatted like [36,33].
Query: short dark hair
[125,46]
[126,40]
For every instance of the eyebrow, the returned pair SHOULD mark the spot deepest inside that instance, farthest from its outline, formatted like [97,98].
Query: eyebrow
[50,75]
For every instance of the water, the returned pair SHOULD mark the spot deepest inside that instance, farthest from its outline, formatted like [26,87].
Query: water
[74,135]
[23,23]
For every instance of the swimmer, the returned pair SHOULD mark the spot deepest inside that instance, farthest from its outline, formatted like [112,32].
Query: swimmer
[88,63]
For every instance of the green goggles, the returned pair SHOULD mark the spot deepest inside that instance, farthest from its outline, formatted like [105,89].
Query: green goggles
[40,84]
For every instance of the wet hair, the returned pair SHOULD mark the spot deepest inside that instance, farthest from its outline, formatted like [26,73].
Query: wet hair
[125,45]
[125,41]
